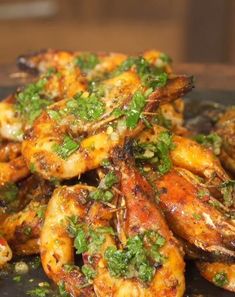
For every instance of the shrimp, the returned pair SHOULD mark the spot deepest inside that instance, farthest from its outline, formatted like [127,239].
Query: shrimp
[13,171]
[220,274]
[189,210]
[225,127]
[93,63]
[56,245]
[189,154]
[142,216]
[5,252]
[19,110]
[78,141]
[22,229]
[10,124]
[9,151]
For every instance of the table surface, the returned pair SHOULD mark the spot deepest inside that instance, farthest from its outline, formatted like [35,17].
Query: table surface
[207,76]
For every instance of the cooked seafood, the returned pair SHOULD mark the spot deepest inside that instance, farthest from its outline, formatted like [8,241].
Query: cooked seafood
[56,244]
[192,216]
[123,116]
[190,155]
[5,252]
[22,229]
[225,127]
[90,129]
[220,274]
[13,170]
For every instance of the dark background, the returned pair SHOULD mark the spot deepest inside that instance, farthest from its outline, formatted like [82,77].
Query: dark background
[189,30]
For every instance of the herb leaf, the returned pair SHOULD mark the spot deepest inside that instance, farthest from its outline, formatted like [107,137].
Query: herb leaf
[228,191]
[134,111]
[220,279]
[157,152]
[212,141]
[89,108]
[31,101]
[87,61]
[133,260]
[67,148]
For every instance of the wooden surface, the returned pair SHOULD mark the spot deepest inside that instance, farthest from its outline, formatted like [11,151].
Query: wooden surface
[207,77]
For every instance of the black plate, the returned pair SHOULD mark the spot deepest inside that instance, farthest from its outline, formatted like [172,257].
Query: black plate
[196,285]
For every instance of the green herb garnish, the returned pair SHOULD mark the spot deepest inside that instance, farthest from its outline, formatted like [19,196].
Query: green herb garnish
[157,152]
[220,279]
[17,278]
[134,259]
[9,192]
[89,108]
[228,191]
[42,291]
[87,61]
[27,230]
[32,100]
[134,110]
[67,148]
[212,141]
[62,290]
[89,272]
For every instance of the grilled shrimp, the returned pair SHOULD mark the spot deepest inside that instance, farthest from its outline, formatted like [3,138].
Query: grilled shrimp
[189,154]
[92,63]
[13,170]
[10,124]
[72,137]
[140,215]
[9,150]
[22,229]
[220,274]
[19,110]
[191,214]
[225,127]
[56,245]
[5,252]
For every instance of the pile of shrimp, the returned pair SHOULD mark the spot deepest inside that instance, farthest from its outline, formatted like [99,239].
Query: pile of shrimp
[95,161]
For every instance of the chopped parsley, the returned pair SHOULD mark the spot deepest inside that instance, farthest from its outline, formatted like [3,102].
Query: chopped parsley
[197,216]
[32,100]
[161,120]
[89,272]
[17,278]
[220,279]
[103,193]
[87,240]
[87,61]
[212,141]
[166,59]
[67,148]
[88,108]
[41,291]
[134,111]
[80,241]
[41,212]
[202,193]
[27,230]
[32,168]
[228,191]
[157,152]
[134,259]
[62,290]
[151,75]
[9,192]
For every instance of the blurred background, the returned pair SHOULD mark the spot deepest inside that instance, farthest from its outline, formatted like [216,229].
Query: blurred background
[188,30]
